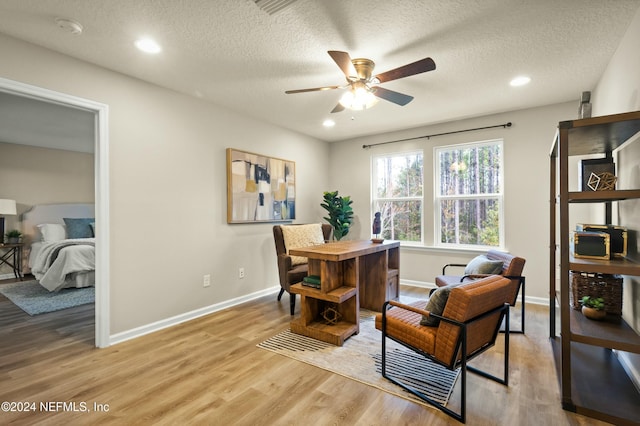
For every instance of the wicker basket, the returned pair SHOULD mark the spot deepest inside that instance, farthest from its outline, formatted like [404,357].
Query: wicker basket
[609,287]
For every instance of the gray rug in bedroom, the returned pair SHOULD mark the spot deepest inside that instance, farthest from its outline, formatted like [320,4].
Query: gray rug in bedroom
[34,299]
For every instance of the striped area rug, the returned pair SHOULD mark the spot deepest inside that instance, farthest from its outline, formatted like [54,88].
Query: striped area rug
[360,359]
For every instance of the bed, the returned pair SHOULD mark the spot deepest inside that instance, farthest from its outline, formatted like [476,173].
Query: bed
[61,241]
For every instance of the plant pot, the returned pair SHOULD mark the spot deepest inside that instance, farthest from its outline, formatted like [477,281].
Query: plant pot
[593,314]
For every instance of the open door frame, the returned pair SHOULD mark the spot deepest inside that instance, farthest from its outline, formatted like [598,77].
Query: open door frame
[101,182]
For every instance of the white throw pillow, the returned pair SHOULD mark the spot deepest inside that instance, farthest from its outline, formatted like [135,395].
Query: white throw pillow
[52,232]
[296,236]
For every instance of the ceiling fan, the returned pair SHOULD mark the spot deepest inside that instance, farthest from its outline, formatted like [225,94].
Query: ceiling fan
[363,86]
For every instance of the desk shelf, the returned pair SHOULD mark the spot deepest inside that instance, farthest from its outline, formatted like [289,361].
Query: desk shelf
[335,334]
[337,295]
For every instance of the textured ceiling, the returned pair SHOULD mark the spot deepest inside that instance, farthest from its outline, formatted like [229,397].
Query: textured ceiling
[232,53]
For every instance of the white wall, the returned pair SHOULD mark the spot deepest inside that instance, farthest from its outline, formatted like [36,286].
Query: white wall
[526,148]
[619,91]
[168,188]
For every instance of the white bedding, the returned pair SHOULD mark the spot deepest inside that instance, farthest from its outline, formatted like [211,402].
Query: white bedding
[56,264]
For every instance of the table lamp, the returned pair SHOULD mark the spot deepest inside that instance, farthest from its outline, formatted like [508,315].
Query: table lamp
[7,207]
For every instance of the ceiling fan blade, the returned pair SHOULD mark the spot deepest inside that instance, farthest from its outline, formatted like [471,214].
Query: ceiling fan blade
[315,89]
[344,62]
[392,96]
[414,68]
[338,108]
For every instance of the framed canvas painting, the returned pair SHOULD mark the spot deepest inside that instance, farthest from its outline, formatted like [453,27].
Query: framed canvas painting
[259,188]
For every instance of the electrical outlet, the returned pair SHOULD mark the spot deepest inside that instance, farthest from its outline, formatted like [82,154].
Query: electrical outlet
[241,273]
[206,280]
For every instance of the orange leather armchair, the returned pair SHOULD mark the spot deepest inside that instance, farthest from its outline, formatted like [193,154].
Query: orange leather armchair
[468,327]
[512,267]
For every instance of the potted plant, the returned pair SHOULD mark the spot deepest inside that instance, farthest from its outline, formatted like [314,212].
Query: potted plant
[593,307]
[340,213]
[13,236]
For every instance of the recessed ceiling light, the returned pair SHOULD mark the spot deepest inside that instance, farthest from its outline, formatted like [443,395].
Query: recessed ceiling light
[329,123]
[148,46]
[520,81]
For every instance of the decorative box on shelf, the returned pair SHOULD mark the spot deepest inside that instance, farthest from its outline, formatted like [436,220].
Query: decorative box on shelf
[591,245]
[601,168]
[607,286]
[617,237]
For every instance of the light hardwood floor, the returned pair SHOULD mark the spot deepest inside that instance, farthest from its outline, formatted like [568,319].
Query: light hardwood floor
[209,371]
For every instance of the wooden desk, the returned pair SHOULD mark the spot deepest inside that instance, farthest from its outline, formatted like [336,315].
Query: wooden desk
[353,274]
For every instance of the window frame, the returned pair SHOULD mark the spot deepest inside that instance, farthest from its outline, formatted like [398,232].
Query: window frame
[374,189]
[437,198]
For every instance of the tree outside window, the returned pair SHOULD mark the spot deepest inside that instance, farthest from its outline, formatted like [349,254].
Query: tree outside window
[469,194]
[397,195]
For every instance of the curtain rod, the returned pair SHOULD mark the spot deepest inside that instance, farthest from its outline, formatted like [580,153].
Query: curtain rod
[505,125]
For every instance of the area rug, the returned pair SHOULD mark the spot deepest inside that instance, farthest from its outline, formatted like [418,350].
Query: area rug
[359,359]
[34,299]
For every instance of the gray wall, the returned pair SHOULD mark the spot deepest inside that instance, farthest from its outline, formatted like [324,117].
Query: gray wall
[168,188]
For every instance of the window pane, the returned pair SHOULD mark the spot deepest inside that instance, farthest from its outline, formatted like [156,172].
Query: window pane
[474,222]
[470,170]
[399,176]
[401,220]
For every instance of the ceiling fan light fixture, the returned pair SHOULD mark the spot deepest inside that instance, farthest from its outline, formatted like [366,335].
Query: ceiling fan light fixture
[358,99]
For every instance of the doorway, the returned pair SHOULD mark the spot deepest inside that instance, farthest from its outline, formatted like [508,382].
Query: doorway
[101,179]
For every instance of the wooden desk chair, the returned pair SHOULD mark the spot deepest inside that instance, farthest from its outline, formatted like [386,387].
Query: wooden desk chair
[512,267]
[289,273]
[468,326]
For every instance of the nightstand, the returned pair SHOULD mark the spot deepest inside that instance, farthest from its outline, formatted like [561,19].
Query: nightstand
[11,255]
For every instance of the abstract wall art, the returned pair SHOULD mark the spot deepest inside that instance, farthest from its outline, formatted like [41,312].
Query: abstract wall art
[259,188]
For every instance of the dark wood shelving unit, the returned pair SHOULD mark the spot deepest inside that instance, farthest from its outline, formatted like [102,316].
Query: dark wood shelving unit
[592,380]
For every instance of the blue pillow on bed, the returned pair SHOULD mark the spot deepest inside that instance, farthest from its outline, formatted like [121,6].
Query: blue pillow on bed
[79,228]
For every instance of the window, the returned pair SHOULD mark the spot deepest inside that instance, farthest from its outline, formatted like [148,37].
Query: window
[397,195]
[468,194]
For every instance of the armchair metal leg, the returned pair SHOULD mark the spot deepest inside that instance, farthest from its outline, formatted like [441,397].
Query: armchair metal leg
[280,294]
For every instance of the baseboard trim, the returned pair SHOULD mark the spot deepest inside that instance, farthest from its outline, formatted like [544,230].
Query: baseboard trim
[187,316]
